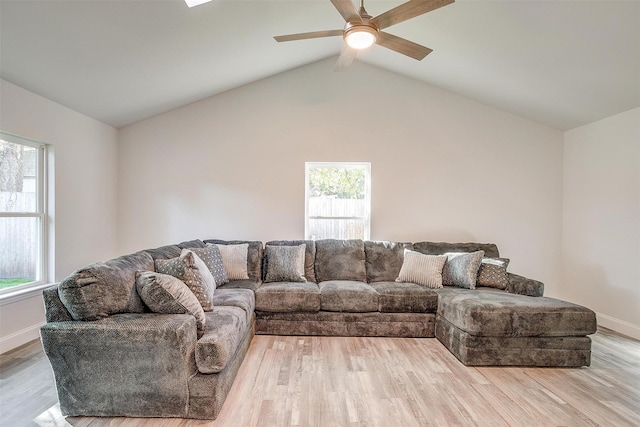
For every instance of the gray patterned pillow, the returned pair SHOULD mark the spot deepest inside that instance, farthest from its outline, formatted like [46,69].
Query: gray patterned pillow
[210,254]
[189,268]
[285,263]
[493,273]
[461,269]
[168,295]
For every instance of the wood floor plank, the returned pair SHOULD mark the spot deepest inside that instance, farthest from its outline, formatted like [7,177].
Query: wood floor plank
[357,382]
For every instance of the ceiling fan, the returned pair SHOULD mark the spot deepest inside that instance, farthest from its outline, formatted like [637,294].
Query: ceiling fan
[362,30]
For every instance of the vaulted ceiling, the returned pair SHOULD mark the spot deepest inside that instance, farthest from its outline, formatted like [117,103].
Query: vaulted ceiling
[560,63]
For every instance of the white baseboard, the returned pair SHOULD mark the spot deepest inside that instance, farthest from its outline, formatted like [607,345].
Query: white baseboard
[19,338]
[618,325]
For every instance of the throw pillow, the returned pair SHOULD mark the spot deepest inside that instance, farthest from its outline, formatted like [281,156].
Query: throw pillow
[285,263]
[210,254]
[234,258]
[189,268]
[493,273]
[461,269]
[168,295]
[425,270]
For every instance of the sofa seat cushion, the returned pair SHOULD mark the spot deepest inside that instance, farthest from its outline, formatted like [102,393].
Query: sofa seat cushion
[241,298]
[224,330]
[395,297]
[347,296]
[288,297]
[500,314]
[241,284]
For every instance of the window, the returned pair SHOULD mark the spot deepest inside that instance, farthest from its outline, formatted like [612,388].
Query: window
[23,217]
[337,200]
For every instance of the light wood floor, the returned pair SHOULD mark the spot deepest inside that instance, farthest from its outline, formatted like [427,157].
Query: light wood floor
[397,382]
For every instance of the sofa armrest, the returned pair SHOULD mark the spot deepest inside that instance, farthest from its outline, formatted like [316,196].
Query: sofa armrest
[524,286]
[55,311]
[123,365]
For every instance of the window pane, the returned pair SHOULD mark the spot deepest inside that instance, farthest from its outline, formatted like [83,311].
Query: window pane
[331,206]
[336,229]
[19,255]
[18,174]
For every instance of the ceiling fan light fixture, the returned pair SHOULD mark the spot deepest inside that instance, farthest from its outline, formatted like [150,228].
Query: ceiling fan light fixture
[192,3]
[360,36]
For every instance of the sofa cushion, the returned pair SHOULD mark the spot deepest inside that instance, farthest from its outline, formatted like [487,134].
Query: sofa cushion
[211,256]
[461,269]
[441,248]
[191,244]
[309,255]
[189,268]
[166,294]
[347,296]
[287,297]
[284,263]
[164,252]
[241,284]
[241,298]
[100,290]
[493,273]
[397,297]
[254,256]
[224,330]
[493,313]
[425,270]
[384,260]
[234,258]
[340,260]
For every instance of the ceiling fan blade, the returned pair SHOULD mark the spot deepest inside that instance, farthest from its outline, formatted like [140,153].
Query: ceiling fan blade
[348,10]
[402,46]
[346,58]
[311,35]
[406,11]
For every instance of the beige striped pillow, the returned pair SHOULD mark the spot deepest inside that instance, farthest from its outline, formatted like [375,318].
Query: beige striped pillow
[234,259]
[425,270]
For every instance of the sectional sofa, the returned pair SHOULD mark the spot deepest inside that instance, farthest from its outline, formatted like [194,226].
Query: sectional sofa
[119,348]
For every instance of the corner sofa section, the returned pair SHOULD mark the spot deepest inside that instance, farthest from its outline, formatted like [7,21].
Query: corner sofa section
[142,364]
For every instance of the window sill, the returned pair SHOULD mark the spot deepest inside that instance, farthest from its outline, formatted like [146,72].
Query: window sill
[18,295]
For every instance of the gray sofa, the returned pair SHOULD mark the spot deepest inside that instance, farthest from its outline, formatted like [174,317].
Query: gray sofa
[112,357]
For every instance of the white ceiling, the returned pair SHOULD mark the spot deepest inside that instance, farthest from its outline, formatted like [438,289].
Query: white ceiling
[561,63]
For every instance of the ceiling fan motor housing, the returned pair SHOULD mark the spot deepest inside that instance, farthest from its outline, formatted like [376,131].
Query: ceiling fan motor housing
[360,35]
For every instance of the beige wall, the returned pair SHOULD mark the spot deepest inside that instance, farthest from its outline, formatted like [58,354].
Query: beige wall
[84,181]
[601,227]
[443,167]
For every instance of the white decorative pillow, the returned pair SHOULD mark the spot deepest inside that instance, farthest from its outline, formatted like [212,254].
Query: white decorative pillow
[425,270]
[461,269]
[234,258]
[189,268]
[166,294]
[285,263]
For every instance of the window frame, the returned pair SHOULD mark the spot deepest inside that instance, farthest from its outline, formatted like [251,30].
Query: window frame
[41,213]
[366,166]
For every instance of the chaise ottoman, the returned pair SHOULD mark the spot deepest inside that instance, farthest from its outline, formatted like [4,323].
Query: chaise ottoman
[486,327]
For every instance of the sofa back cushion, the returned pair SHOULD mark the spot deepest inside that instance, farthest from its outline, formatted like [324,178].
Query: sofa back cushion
[164,252]
[309,256]
[441,248]
[340,260]
[105,288]
[254,256]
[384,260]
